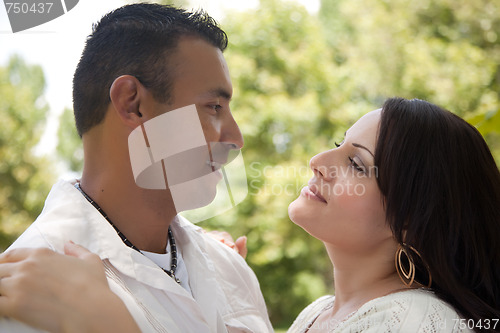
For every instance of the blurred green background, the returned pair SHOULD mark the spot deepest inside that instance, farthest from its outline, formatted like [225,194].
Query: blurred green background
[300,80]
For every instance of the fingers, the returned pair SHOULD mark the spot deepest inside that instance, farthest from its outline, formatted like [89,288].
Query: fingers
[20,254]
[42,287]
[222,236]
[241,245]
[6,285]
[93,261]
[16,285]
[4,306]
[6,271]
[75,250]
[16,255]
[17,264]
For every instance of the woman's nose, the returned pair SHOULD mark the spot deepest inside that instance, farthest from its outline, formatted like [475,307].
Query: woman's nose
[321,165]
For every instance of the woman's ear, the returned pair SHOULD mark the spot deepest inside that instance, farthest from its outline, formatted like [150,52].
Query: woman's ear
[125,95]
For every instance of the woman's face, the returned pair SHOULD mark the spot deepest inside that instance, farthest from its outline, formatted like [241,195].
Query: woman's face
[343,205]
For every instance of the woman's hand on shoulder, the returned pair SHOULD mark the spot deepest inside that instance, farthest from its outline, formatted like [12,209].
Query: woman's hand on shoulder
[239,245]
[60,293]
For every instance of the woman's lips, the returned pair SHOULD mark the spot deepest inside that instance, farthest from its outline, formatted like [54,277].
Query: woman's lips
[311,192]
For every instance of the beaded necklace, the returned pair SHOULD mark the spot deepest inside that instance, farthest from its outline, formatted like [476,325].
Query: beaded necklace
[173,248]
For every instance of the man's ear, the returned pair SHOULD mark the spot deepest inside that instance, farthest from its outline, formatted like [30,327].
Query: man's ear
[125,95]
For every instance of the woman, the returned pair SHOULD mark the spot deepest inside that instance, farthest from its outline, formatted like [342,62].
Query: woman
[408,207]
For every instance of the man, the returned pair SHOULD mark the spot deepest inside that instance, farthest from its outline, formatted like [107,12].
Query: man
[141,62]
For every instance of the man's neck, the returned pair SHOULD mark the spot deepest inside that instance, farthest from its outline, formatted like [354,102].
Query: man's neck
[142,216]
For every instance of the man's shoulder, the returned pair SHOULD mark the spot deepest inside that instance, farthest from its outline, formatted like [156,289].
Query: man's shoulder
[226,261]
[31,238]
[217,251]
[63,217]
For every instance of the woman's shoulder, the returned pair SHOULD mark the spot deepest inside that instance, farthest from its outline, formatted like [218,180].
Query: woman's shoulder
[422,301]
[309,314]
[320,303]
[416,310]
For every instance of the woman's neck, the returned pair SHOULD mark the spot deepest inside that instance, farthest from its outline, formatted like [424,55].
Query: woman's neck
[359,278]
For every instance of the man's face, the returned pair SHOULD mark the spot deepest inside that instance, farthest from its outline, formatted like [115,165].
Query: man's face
[200,77]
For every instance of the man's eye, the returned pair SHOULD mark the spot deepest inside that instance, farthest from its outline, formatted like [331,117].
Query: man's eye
[216,107]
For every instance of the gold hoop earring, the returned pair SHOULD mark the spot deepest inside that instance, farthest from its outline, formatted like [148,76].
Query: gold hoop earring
[408,275]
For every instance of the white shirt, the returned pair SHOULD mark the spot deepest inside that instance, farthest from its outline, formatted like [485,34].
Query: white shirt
[225,294]
[164,259]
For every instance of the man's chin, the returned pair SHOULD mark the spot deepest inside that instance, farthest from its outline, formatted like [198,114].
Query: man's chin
[196,194]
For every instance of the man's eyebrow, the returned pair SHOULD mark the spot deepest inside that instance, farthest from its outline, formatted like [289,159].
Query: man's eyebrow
[220,92]
[357,145]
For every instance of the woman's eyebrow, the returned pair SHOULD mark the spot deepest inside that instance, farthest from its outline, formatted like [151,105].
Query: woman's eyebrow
[357,145]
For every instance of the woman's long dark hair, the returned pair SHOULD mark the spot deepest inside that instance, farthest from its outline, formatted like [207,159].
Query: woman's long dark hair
[442,196]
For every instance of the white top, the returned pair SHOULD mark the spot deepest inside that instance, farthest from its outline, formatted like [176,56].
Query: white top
[407,311]
[225,294]
[163,260]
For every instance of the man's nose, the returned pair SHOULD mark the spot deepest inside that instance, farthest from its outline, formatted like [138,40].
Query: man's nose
[231,133]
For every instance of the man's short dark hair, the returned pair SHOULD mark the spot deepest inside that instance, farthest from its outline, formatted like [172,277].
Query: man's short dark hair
[134,40]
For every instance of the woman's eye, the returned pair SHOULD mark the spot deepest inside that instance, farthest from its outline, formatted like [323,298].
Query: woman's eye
[356,165]
[338,144]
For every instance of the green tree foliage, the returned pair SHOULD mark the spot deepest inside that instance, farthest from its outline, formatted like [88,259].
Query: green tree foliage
[69,146]
[24,177]
[447,52]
